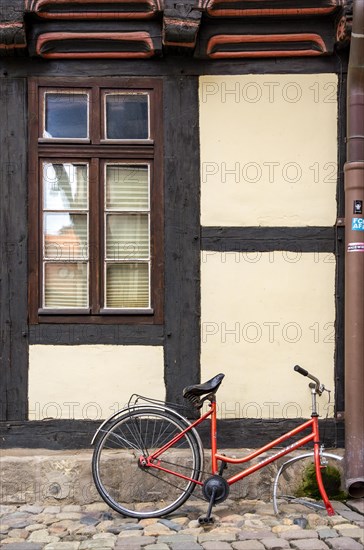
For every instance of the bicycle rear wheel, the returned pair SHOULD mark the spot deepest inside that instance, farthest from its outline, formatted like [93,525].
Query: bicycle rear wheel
[295,487]
[146,492]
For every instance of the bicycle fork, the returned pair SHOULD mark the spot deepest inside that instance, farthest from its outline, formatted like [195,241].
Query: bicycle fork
[317,388]
[317,458]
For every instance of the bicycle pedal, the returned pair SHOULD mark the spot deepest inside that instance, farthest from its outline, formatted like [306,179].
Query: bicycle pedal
[206,521]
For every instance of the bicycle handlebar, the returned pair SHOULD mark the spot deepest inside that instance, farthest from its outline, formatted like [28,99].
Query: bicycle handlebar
[319,387]
[302,371]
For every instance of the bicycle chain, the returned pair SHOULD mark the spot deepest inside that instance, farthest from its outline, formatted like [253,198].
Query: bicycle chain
[176,486]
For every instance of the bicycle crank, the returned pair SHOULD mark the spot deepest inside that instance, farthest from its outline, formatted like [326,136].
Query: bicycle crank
[215,489]
[218,486]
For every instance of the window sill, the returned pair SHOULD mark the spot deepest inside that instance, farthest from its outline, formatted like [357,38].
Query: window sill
[116,311]
[127,141]
[119,317]
[140,311]
[64,140]
[64,311]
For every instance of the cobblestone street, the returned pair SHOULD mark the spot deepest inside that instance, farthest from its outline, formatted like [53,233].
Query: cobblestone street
[243,525]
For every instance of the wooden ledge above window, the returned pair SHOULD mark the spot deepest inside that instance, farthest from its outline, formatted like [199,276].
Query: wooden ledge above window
[144,29]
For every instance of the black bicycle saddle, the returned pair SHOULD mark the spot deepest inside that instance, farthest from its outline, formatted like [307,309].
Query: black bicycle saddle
[211,386]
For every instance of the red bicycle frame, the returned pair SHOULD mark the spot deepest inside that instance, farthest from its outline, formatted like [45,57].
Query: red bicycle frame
[152,460]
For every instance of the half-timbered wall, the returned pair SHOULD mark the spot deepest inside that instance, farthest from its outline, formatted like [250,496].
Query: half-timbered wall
[253,149]
[268,159]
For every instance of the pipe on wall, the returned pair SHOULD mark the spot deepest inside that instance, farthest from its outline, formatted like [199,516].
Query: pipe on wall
[354,262]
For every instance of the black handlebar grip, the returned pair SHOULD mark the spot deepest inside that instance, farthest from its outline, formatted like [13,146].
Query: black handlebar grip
[302,371]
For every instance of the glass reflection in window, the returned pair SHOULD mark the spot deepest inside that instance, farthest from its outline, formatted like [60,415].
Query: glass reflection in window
[126,116]
[66,115]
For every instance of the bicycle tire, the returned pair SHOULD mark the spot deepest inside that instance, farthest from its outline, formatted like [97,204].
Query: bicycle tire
[139,492]
[293,486]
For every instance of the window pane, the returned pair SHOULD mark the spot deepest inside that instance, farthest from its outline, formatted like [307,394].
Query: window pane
[66,115]
[127,285]
[127,116]
[65,236]
[127,187]
[127,236]
[65,186]
[65,285]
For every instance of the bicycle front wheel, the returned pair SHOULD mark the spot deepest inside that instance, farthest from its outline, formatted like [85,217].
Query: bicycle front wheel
[141,491]
[295,487]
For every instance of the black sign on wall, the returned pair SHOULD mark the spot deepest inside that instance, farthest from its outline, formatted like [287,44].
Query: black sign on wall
[358,207]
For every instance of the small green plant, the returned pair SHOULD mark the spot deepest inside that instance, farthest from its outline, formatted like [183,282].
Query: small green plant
[331,478]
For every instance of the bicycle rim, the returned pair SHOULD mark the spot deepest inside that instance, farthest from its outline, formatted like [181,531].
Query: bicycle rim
[145,492]
[295,487]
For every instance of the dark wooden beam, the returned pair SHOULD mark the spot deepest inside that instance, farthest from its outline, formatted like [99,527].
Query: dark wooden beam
[267,239]
[232,434]
[340,252]
[13,250]
[73,335]
[182,243]
[172,66]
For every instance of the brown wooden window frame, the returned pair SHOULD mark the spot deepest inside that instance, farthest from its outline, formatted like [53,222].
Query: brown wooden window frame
[96,151]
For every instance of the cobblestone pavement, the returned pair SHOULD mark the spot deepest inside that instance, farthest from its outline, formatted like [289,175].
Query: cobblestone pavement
[239,525]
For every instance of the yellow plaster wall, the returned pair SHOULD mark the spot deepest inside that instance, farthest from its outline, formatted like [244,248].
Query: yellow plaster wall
[262,313]
[93,381]
[268,150]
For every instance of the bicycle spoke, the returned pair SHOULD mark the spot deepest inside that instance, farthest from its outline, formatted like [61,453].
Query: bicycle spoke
[118,438]
[138,436]
[140,432]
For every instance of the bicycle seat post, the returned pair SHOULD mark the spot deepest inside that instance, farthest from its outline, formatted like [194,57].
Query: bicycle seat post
[213,434]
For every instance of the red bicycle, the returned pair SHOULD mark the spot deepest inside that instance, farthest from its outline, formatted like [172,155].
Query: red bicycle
[148,458]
